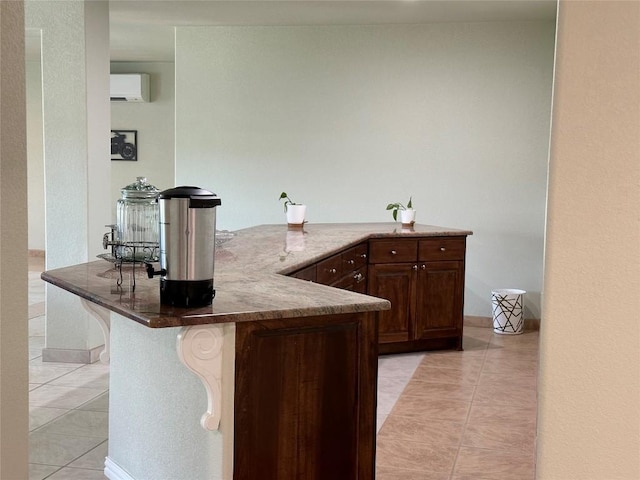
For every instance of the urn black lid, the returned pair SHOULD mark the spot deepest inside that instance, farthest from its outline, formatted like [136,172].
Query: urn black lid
[198,197]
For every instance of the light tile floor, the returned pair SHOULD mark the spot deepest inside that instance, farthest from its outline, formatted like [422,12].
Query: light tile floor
[68,405]
[467,415]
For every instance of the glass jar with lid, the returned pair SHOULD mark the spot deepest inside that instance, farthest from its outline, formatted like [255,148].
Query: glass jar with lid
[137,221]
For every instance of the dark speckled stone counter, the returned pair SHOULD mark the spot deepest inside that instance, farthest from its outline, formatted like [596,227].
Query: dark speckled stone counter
[250,277]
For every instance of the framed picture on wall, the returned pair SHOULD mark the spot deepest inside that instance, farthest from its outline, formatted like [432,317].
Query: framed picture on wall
[124,145]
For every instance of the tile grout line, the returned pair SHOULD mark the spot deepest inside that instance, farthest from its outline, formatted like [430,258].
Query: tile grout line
[466,420]
[52,473]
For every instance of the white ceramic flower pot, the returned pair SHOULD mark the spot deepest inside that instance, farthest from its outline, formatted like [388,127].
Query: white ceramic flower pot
[408,217]
[295,214]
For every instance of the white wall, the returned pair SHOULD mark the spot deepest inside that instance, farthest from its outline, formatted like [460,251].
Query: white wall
[14,373]
[350,118]
[35,156]
[589,384]
[154,122]
[75,66]
[158,403]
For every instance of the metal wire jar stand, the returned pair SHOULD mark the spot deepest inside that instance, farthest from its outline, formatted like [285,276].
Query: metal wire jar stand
[128,253]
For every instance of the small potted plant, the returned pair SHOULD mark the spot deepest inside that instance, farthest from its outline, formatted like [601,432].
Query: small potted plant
[407,214]
[295,211]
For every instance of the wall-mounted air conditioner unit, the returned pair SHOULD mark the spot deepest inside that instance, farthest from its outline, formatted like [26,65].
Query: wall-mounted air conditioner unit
[129,87]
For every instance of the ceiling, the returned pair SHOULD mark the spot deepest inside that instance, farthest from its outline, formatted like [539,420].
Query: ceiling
[143,30]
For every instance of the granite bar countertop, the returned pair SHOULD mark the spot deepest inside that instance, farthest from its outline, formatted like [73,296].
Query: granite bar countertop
[250,277]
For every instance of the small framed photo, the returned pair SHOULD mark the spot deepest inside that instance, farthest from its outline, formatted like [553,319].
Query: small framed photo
[124,145]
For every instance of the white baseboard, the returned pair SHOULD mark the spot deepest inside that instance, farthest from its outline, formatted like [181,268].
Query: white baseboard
[113,471]
[64,355]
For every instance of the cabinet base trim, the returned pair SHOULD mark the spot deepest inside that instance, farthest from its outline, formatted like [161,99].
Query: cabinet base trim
[444,343]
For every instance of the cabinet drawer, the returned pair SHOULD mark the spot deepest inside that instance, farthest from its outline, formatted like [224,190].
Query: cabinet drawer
[360,280]
[354,258]
[330,270]
[393,251]
[442,248]
[348,260]
[355,281]
[362,252]
[308,273]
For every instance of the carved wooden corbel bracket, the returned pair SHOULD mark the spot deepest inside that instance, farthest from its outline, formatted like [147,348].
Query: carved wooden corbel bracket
[200,349]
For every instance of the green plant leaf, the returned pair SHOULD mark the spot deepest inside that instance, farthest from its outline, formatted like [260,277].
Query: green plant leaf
[395,215]
[409,204]
[287,200]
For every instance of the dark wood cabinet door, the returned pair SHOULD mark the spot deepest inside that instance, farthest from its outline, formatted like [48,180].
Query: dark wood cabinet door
[394,282]
[305,398]
[439,299]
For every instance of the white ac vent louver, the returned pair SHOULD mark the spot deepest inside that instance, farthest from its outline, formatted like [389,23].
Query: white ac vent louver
[129,87]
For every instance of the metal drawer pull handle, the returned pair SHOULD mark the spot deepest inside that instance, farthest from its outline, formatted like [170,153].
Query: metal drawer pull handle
[424,267]
[415,267]
[442,249]
[363,255]
[358,278]
[332,270]
[393,252]
[351,262]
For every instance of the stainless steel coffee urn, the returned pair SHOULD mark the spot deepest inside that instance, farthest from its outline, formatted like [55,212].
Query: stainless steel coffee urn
[187,246]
